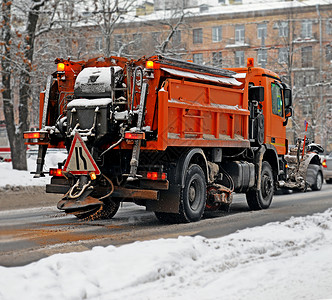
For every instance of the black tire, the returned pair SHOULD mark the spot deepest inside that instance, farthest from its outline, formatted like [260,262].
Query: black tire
[101,212]
[329,181]
[317,186]
[193,195]
[262,199]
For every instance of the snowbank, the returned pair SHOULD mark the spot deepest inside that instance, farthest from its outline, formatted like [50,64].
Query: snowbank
[289,260]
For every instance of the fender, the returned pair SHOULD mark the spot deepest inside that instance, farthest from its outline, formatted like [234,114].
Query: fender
[268,153]
[185,160]
[273,157]
[311,157]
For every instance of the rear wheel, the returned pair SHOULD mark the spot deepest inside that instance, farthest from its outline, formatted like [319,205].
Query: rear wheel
[192,198]
[193,195]
[261,199]
[317,186]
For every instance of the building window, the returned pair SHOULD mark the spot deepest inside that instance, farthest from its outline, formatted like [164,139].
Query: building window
[203,8]
[276,100]
[307,29]
[305,78]
[306,109]
[117,42]
[176,38]
[239,58]
[329,106]
[155,38]
[99,43]
[137,38]
[222,1]
[239,34]
[283,55]
[198,58]
[217,59]
[261,31]
[329,53]
[216,34]
[262,57]
[283,29]
[198,36]
[306,57]
[329,26]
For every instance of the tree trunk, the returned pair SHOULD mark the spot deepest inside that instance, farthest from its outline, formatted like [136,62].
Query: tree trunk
[15,133]
[18,151]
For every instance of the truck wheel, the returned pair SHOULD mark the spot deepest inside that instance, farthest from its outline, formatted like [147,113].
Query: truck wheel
[317,186]
[193,195]
[262,199]
[106,211]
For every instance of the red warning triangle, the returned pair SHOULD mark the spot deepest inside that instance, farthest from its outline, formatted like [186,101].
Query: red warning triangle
[79,160]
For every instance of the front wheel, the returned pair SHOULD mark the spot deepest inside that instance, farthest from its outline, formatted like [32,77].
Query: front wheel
[261,199]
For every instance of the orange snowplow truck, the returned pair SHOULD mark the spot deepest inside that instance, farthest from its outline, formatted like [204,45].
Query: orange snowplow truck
[176,137]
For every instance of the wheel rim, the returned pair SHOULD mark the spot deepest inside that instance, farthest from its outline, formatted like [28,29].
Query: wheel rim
[267,187]
[319,181]
[194,194]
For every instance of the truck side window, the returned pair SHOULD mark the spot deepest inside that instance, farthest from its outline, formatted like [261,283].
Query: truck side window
[277,108]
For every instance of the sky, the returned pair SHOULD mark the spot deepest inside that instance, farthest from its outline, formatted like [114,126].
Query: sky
[280,260]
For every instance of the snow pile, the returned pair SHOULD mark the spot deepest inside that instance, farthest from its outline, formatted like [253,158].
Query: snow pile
[10,177]
[289,260]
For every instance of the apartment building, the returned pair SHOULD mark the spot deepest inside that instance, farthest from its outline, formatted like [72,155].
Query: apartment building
[290,37]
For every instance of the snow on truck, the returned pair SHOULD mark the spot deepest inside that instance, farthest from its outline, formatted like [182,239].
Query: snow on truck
[176,137]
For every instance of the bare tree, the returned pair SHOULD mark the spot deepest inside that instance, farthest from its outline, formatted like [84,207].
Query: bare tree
[170,42]
[304,72]
[107,14]
[22,64]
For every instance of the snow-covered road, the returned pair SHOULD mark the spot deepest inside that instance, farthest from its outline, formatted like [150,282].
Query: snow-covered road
[289,260]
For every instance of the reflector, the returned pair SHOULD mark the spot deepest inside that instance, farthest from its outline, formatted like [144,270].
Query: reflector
[35,135]
[156,176]
[55,172]
[31,135]
[134,135]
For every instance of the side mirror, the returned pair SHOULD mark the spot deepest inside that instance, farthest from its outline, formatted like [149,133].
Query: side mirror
[288,98]
[256,93]
[288,112]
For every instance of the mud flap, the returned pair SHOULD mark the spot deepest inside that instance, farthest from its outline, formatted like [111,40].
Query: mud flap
[169,201]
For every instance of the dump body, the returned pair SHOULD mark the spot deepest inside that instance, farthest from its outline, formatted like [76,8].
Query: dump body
[171,135]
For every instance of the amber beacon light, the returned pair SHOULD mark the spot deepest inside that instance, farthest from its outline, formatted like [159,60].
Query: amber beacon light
[149,64]
[60,67]
[250,62]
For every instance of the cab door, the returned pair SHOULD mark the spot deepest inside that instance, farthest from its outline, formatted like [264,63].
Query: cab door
[276,134]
